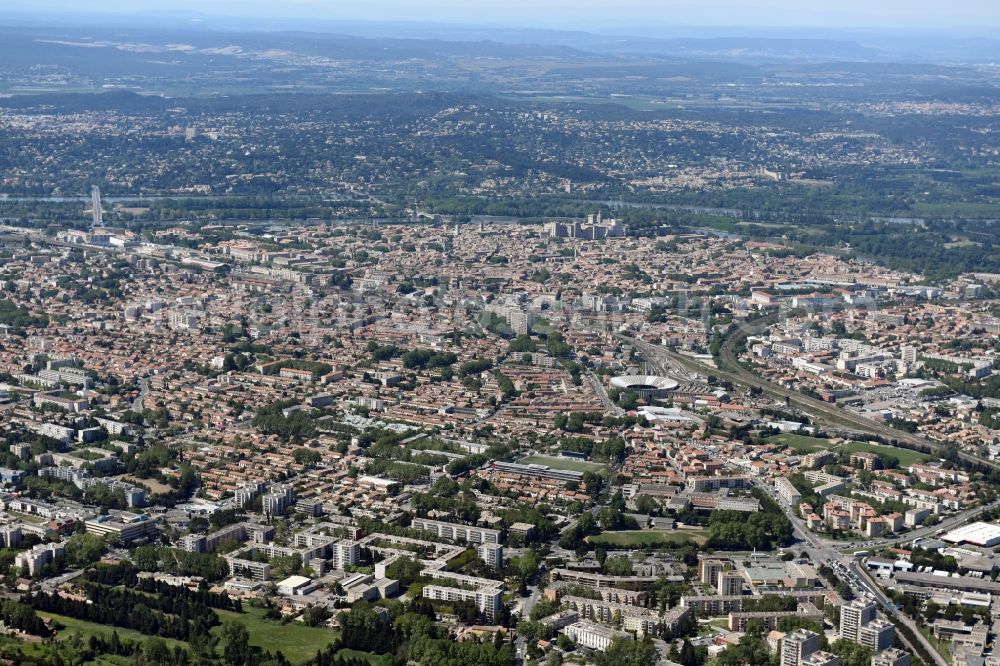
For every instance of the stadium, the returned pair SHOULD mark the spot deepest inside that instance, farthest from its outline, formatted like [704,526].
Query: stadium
[648,387]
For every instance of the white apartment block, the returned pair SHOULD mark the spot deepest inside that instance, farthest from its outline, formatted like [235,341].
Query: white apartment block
[592,636]
[447,586]
[878,635]
[787,491]
[455,532]
[821,658]
[39,556]
[891,657]
[854,615]
[491,554]
[797,645]
[730,583]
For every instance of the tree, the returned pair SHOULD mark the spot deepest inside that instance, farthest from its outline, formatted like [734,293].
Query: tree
[467,611]
[146,558]
[306,457]
[931,610]
[688,655]
[851,654]
[752,649]
[203,641]
[628,652]
[84,549]
[404,569]
[155,651]
[618,566]
[314,616]
[544,608]
[522,343]
[732,530]
[237,644]
[525,566]
[505,384]
[556,345]
[865,479]
[647,505]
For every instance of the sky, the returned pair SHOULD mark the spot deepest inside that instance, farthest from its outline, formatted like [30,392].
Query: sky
[595,15]
[570,14]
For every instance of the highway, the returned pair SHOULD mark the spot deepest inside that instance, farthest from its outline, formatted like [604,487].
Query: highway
[848,570]
[858,576]
[679,367]
[960,518]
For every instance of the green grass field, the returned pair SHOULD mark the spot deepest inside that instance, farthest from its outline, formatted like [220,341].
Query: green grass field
[373,659]
[88,629]
[965,209]
[295,640]
[943,647]
[713,626]
[637,103]
[801,443]
[906,457]
[641,538]
[563,463]
[11,647]
[805,444]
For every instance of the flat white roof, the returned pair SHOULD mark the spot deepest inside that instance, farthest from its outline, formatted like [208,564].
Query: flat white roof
[294,581]
[979,534]
[667,413]
[376,480]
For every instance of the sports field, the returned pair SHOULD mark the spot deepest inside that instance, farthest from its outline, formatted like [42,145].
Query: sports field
[569,464]
[906,457]
[806,444]
[802,443]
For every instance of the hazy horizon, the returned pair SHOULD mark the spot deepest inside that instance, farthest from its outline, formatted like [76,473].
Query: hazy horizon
[567,14]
